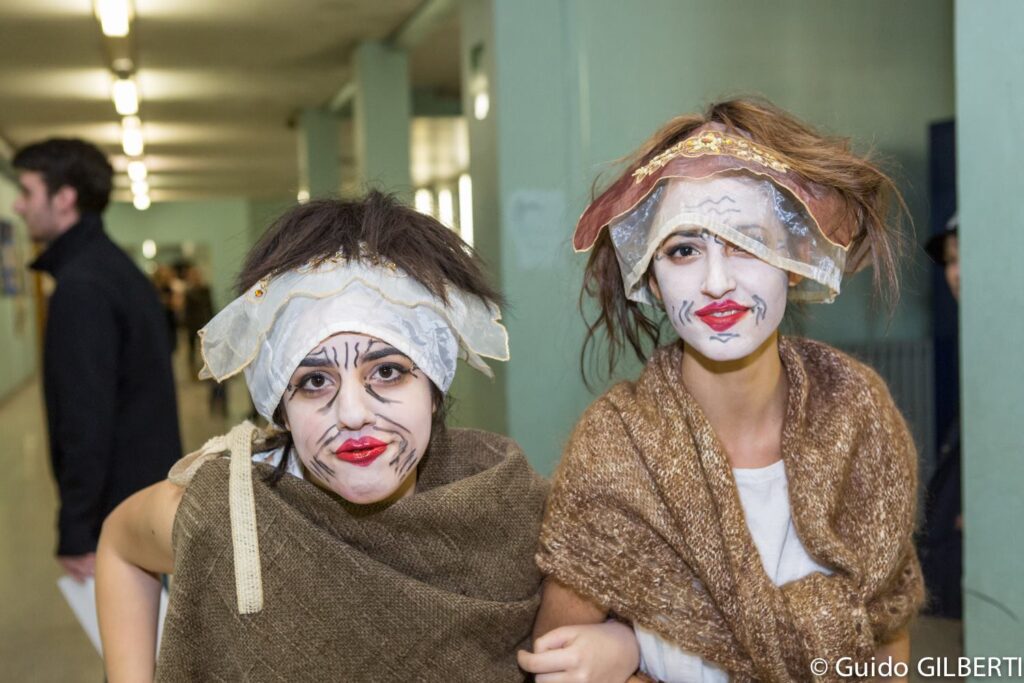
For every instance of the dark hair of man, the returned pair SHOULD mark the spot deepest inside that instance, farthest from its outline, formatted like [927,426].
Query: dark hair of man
[374,227]
[73,163]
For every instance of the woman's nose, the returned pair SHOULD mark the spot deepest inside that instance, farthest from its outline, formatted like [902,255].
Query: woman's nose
[352,407]
[718,279]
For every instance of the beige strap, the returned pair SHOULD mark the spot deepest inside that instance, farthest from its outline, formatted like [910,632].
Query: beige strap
[181,472]
[244,539]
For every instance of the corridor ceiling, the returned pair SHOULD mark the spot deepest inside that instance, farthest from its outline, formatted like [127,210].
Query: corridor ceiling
[218,81]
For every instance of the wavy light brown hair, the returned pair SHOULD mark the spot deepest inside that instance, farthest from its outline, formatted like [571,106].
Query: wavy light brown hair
[865,191]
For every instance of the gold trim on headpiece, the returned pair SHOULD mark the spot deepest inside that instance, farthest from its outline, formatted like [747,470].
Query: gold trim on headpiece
[709,143]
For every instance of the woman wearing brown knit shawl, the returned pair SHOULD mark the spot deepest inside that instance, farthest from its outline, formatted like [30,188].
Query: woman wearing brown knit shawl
[355,539]
[747,504]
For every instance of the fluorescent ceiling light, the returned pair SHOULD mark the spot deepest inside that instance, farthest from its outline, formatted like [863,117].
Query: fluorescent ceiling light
[115,17]
[466,208]
[131,136]
[424,201]
[137,171]
[446,207]
[126,96]
[141,202]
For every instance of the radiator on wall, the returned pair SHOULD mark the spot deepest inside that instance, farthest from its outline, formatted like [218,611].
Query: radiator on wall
[907,367]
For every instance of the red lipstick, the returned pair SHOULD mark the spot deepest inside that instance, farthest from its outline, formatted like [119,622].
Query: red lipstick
[361,452]
[721,315]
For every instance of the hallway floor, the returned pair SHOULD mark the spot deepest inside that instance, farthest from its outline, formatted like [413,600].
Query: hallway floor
[40,640]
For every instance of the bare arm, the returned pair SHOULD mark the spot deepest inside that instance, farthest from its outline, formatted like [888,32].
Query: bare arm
[574,642]
[562,606]
[134,549]
[898,649]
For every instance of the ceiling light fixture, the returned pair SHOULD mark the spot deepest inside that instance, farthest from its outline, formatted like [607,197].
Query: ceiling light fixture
[126,96]
[141,202]
[115,17]
[131,136]
[137,171]
[140,187]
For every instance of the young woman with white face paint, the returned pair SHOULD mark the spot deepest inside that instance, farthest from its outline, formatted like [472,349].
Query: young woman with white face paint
[746,505]
[332,544]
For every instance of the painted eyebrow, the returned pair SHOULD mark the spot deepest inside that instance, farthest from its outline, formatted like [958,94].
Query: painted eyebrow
[382,353]
[686,233]
[316,362]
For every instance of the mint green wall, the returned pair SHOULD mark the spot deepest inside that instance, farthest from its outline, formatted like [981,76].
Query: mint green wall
[18,347]
[223,225]
[597,77]
[990,125]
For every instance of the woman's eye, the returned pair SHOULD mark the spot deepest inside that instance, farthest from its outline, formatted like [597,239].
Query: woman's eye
[314,381]
[681,251]
[389,372]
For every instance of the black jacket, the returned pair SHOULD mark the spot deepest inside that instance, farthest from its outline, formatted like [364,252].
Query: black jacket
[107,377]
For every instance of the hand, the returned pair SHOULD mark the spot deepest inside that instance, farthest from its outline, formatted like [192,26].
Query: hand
[593,653]
[78,567]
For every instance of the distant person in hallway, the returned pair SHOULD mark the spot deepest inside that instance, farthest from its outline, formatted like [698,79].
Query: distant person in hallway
[110,403]
[941,540]
[198,308]
[356,538]
[748,503]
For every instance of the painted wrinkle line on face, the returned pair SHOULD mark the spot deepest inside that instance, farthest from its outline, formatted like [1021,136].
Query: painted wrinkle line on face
[685,309]
[392,422]
[329,435]
[760,309]
[346,355]
[716,205]
[386,401]
[708,235]
[321,468]
[356,362]
[407,464]
[330,404]
[402,446]
[723,336]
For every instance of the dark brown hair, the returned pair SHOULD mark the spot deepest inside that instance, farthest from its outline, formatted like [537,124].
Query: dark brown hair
[374,227]
[865,190]
[70,162]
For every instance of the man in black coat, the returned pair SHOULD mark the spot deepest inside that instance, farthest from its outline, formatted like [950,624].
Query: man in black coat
[110,403]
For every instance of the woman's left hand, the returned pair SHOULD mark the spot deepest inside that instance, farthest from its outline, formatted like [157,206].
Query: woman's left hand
[591,653]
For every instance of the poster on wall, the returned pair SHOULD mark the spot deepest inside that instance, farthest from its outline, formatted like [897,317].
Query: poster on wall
[11,274]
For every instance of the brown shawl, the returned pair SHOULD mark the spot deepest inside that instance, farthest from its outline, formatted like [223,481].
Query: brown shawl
[645,518]
[440,586]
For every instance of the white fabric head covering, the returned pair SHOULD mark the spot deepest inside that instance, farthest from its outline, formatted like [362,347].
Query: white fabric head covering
[268,330]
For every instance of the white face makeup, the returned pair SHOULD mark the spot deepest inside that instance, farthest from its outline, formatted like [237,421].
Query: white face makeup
[360,415]
[723,302]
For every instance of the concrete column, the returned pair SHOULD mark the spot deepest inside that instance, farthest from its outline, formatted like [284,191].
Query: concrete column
[527,186]
[990,130]
[319,163]
[382,115]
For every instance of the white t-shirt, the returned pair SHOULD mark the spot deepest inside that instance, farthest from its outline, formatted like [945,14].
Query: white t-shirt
[764,494]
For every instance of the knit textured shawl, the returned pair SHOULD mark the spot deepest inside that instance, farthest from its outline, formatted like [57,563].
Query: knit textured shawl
[440,586]
[645,518]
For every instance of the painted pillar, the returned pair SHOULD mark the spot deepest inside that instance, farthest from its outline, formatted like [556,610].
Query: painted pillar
[990,129]
[382,116]
[319,162]
[520,97]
